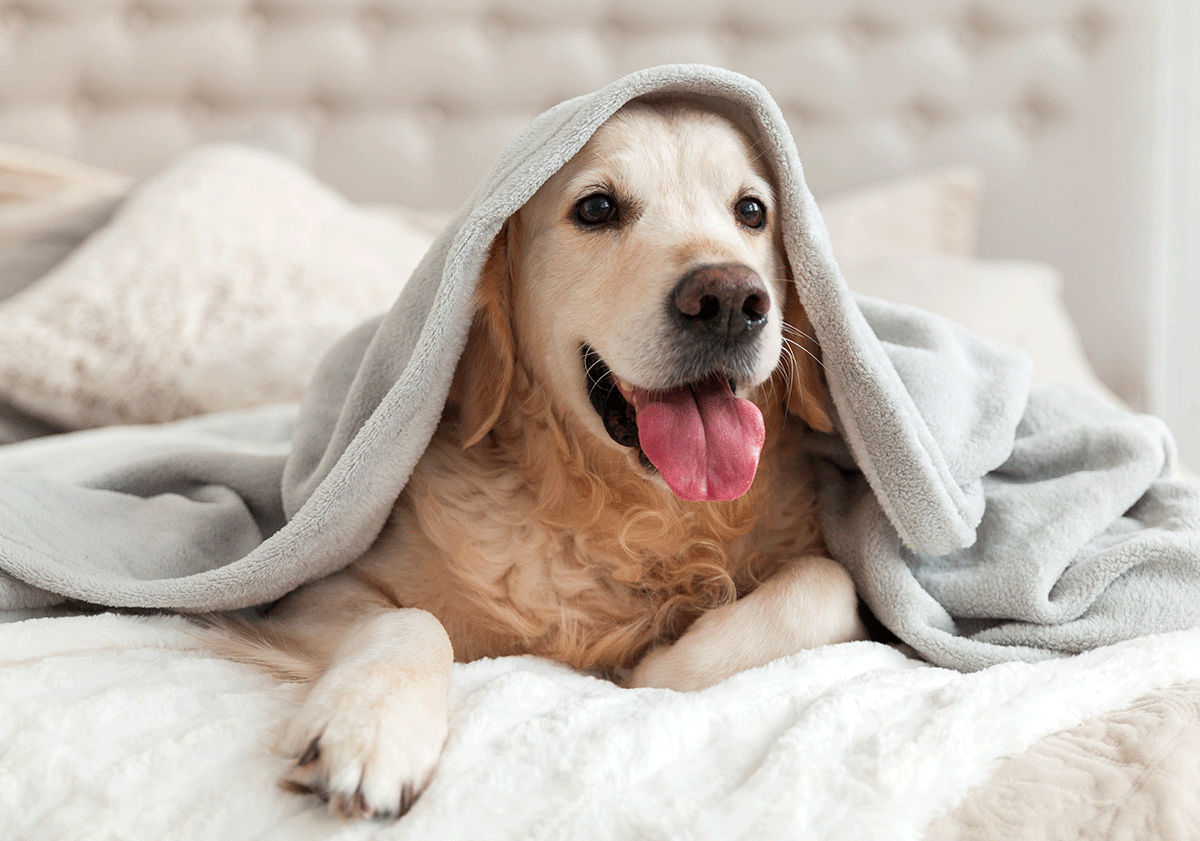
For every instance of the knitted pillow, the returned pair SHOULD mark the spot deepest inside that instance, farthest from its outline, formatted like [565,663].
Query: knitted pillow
[217,284]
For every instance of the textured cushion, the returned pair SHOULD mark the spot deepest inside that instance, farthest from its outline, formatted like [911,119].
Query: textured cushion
[935,212]
[1011,301]
[217,284]
[48,205]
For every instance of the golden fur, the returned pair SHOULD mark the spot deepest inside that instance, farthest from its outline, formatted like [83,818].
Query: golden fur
[525,528]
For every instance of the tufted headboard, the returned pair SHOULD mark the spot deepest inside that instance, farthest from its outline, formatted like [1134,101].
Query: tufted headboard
[410,100]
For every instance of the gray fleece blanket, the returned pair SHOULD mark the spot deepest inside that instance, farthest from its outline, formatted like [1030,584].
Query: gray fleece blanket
[982,521]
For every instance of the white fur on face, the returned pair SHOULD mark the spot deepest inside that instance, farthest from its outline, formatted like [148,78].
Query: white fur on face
[677,172]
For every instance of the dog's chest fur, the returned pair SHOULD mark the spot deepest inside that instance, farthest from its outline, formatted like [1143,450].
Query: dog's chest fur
[530,543]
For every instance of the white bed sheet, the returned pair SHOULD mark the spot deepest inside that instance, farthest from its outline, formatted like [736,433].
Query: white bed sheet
[113,728]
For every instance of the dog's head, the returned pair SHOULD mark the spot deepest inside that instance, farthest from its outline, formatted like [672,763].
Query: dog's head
[645,287]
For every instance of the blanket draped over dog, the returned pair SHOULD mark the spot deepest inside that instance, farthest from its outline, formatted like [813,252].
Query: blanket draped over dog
[982,520]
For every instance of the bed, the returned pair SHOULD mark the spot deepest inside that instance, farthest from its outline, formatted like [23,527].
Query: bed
[118,726]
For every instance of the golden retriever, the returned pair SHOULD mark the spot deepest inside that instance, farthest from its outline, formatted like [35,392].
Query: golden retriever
[618,482]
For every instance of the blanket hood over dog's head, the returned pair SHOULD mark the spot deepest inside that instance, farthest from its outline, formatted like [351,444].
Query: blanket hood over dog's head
[377,398]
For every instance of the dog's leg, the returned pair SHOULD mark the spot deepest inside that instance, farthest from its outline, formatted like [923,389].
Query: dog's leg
[369,733]
[809,602]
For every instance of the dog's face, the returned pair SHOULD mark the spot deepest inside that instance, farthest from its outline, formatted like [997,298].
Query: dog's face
[645,286]
[655,197]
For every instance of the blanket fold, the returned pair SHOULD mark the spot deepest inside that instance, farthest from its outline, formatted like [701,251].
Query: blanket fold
[982,521]
[1082,543]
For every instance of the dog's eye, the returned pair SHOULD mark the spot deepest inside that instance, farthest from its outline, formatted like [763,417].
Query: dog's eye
[596,209]
[751,212]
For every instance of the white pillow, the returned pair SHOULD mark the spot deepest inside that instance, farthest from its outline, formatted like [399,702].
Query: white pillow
[1012,301]
[935,212]
[48,205]
[217,284]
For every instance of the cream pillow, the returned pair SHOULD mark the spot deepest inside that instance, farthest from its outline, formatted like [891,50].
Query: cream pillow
[28,177]
[1012,301]
[935,212]
[217,284]
[48,205]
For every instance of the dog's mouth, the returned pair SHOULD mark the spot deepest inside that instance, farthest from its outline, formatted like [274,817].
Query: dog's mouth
[702,438]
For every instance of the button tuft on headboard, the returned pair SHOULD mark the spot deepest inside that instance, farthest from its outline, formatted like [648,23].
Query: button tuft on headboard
[137,18]
[435,114]
[1089,29]
[860,31]
[256,18]
[373,21]
[14,18]
[199,107]
[324,106]
[84,106]
[921,115]
[980,25]
[313,114]
[1038,110]
[496,26]
[613,31]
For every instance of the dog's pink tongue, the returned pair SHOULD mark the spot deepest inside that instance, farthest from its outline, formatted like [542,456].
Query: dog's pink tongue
[704,441]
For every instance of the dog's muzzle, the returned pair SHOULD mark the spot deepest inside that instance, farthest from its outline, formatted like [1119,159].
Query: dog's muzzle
[691,426]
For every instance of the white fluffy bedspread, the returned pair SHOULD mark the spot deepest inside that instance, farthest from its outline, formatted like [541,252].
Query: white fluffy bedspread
[111,728]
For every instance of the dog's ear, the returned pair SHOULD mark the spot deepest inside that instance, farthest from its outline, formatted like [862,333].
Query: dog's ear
[485,371]
[804,378]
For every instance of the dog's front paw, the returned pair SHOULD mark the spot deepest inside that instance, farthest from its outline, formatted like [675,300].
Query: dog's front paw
[367,742]
[673,667]
[699,659]
[809,603]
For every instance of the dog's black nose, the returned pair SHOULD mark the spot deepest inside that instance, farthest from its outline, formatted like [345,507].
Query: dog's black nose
[726,302]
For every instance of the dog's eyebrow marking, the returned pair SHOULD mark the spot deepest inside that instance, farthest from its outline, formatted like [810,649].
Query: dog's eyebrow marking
[593,187]
[760,189]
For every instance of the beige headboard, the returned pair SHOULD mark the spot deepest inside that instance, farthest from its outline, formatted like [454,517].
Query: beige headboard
[409,100]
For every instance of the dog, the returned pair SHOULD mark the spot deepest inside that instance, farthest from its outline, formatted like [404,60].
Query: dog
[618,482]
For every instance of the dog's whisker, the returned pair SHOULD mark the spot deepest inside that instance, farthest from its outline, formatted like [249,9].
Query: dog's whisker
[588,371]
[793,328]
[774,388]
[587,374]
[798,335]
[787,361]
[795,344]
